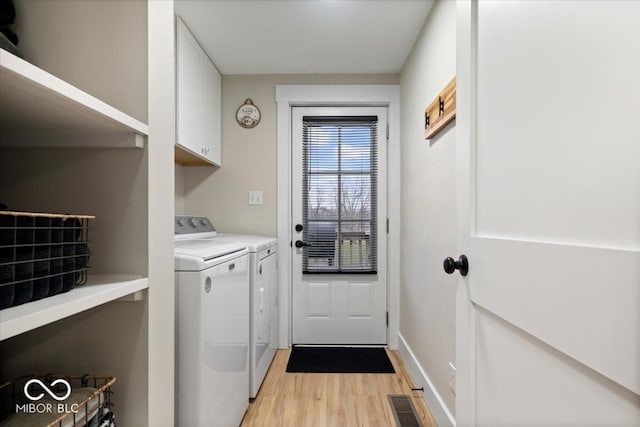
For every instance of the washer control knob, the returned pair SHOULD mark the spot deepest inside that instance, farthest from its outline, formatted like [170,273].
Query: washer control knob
[203,222]
[193,222]
[180,222]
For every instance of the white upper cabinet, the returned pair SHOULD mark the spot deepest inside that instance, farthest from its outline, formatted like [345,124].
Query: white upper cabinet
[198,100]
[212,109]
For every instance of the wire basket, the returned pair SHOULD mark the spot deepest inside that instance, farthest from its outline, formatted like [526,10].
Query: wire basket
[37,400]
[41,255]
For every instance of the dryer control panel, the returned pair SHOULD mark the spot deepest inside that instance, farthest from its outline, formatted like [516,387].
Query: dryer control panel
[185,224]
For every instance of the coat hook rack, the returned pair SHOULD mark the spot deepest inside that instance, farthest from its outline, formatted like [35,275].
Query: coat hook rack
[441,110]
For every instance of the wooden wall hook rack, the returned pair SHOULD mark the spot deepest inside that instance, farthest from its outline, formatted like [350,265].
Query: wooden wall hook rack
[441,110]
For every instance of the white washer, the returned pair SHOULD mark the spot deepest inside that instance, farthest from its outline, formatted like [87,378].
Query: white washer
[263,256]
[212,327]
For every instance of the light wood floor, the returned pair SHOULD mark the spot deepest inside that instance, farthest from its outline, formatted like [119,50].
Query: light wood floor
[331,400]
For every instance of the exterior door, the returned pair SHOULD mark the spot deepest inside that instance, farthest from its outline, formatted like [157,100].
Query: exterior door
[548,147]
[339,248]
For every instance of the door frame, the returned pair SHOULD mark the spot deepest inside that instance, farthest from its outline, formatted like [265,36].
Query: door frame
[288,96]
[466,19]
[341,326]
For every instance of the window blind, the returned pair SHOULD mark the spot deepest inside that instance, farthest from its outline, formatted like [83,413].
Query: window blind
[339,194]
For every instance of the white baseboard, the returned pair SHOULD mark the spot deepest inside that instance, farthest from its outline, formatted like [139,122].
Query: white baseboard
[440,412]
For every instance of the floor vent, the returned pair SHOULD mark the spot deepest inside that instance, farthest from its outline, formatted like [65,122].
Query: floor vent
[404,410]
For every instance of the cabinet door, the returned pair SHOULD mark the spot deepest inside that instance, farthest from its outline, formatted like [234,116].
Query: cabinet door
[188,93]
[199,90]
[212,111]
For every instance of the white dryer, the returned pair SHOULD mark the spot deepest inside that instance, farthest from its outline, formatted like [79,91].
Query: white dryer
[263,257]
[212,326]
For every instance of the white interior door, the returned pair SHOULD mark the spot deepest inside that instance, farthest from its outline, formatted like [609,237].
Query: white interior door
[548,318]
[339,205]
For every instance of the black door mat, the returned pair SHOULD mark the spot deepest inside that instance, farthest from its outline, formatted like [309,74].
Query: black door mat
[340,360]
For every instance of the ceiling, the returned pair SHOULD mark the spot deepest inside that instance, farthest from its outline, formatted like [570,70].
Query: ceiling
[305,36]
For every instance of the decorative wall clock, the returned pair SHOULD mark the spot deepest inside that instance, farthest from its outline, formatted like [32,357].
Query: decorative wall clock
[248,115]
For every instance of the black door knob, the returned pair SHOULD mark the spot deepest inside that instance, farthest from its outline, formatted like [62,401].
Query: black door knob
[299,227]
[300,243]
[450,265]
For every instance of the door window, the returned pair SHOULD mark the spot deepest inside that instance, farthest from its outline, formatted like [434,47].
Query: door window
[339,183]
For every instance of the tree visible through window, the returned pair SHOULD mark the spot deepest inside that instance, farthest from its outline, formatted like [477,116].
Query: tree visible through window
[340,156]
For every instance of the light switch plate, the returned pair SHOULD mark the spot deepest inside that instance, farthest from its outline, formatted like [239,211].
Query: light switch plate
[256,197]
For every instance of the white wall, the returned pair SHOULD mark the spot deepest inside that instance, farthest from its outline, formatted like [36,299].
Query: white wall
[161,295]
[249,155]
[98,46]
[427,294]
[179,189]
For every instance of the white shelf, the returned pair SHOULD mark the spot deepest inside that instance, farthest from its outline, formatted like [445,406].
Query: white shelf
[39,109]
[98,290]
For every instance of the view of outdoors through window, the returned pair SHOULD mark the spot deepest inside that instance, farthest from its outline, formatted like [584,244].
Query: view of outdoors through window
[339,200]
